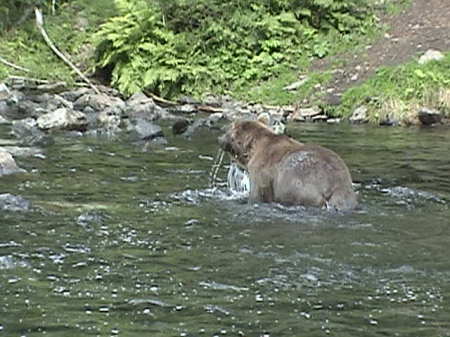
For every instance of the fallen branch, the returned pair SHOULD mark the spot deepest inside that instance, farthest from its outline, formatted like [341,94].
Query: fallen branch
[40,25]
[158,99]
[208,108]
[38,80]
[12,65]
[26,79]
[28,83]
[287,108]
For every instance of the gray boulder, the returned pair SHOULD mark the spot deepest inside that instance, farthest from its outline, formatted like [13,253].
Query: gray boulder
[92,117]
[184,109]
[28,133]
[3,120]
[303,114]
[63,119]
[97,102]
[4,91]
[141,106]
[14,105]
[431,55]
[103,112]
[359,115]
[27,108]
[52,102]
[8,164]
[429,116]
[73,95]
[4,108]
[110,119]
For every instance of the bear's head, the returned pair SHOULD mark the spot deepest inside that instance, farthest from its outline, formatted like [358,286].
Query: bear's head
[240,139]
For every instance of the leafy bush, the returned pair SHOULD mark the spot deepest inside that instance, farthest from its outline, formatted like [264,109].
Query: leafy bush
[185,46]
[13,13]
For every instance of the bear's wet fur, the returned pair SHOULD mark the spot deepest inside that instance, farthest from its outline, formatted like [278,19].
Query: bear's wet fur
[288,172]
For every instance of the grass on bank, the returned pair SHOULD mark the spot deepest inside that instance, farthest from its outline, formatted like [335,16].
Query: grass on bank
[397,92]
[271,91]
[251,50]
[70,29]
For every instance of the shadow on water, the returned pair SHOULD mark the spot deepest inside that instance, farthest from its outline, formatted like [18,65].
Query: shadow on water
[123,242]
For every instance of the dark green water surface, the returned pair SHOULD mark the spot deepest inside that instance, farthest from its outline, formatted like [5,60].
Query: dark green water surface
[122,242]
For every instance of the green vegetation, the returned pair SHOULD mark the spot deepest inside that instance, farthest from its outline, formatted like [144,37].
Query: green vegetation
[271,91]
[70,28]
[15,11]
[396,91]
[176,47]
[249,49]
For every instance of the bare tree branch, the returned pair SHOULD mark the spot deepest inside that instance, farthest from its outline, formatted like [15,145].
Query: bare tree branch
[40,25]
[12,65]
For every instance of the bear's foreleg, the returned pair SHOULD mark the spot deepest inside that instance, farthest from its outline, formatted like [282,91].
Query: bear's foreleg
[261,189]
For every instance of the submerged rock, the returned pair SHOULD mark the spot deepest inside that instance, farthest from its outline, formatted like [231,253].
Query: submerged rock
[8,164]
[208,123]
[12,262]
[90,219]
[180,126]
[10,202]
[145,130]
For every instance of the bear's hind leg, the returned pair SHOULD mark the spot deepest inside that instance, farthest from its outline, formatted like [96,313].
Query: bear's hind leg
[343,200]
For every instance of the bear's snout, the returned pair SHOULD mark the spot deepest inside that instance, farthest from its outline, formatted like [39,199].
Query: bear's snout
[224,142]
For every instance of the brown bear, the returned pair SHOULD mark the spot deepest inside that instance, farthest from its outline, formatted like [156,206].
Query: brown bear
[286,171]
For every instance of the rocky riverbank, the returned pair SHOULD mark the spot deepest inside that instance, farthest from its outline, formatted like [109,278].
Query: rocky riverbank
[35,112]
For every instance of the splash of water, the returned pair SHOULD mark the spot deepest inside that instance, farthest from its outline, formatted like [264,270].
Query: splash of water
[238,180]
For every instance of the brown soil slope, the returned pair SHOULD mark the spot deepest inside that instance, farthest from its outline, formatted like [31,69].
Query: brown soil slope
[423,25]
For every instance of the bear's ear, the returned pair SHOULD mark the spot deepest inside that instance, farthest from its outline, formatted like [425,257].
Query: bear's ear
[264,118]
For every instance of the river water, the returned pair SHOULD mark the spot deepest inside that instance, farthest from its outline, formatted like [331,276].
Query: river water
[126,242]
